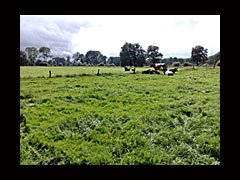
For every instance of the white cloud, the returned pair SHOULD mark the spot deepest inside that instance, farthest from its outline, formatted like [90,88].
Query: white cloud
[173,34]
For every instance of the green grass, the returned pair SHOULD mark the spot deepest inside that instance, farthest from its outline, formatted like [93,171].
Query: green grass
[38,71]
[122,118]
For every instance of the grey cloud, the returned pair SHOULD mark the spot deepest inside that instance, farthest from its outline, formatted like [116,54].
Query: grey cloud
[54,32]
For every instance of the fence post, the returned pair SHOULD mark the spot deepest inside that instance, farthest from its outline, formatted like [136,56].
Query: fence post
[98,72]
[49,73]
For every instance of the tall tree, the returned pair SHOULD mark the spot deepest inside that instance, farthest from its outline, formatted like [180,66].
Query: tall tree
[32,54]
[45,52]
[76,56]
[141,60]
[124,55]
[132,50]
[130,54]
[93,57]
[59,60]
[114,60]
[139,56]
[216,59]
[153,54]
[23,59]
[199,54]
[81,58]
[102,59]
[68,60]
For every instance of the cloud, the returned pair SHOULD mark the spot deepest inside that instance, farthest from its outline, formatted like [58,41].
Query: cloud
[54,32]
[174,35]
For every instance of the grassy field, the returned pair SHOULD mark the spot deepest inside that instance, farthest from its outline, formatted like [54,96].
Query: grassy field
[119,118]
[38,71]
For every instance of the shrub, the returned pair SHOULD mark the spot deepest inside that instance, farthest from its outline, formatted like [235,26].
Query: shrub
[43,64]
[187,64]
[176,64]
[58,75]
[101,64]
[111,65]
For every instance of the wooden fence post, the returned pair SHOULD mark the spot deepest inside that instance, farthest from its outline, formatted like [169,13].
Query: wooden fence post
[49,73]
[98,72]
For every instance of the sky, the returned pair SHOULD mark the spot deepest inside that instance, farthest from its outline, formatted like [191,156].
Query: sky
[175,35]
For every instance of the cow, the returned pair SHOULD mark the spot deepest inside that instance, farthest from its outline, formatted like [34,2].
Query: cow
[159,66]
[129,69]
[173,70]
[150,71]
[167,72]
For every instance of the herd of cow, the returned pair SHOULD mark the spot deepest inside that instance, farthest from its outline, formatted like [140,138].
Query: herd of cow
[156,66]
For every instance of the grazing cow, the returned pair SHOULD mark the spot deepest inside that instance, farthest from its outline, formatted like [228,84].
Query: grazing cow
[150,71]
[159,66]
[173,70]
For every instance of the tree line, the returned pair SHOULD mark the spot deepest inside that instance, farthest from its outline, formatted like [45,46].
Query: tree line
[131,54]
[42,57]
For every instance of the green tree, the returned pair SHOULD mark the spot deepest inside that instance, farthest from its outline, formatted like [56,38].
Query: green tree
[75,58]
[114,60]
[58,60]
[141,60]
[50,62]
[89,57]
[82,58]
[23,59]
[32,54]
[153,54]
[78,57]
[139,56]
[68,60]
[124,55]
[130,54]
[93,57]
[45,52]
[102,59]
[216,59]
[199,54]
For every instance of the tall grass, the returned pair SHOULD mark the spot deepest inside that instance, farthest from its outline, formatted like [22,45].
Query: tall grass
[37,71]
[122,118]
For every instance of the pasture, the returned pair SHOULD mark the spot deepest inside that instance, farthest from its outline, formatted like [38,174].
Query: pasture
[119,117]
[38,71]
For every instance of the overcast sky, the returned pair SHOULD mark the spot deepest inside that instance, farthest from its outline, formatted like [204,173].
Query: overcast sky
[175,35]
